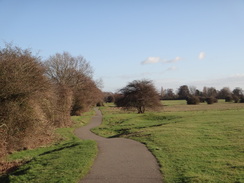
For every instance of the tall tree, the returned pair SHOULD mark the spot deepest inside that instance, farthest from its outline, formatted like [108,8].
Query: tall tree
[139,94]
[169,94]
[74,76]
[193,90]
[183,92]
[224,92]
[209,92]
[238,92]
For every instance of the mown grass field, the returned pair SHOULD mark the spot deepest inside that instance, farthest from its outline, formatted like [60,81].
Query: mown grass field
[67,161]
[203,143]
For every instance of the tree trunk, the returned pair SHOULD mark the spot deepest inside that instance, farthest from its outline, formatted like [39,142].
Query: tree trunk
[141,109]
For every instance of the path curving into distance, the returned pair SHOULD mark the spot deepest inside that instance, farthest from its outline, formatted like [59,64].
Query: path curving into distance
[119,160]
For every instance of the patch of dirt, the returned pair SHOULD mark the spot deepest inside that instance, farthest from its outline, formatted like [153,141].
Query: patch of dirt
[7,167]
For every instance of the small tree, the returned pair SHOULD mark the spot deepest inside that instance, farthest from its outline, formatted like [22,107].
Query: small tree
[139,94]
[238,92]
[211,100]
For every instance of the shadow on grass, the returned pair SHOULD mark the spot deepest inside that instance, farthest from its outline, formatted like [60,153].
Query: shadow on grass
[60,149]
[18,171]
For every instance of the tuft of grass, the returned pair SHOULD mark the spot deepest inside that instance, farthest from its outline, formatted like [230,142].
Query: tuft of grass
[66,161]
[192,144]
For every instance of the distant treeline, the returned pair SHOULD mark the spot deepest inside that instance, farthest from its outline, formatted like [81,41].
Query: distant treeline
[185,92]
[209,94]
[38,96]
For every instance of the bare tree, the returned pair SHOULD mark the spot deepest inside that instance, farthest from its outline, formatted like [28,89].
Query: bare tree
[169,94]
[65,69]
[139,94]
[192,90]
[209,92]
[74,74]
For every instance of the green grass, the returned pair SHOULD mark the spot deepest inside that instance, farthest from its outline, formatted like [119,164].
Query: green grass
[67,161]
[203,143]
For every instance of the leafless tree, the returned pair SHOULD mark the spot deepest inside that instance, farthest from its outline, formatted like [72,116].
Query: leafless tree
[67,70]
[209,92]
[192,90]
[74,74]
[139,94]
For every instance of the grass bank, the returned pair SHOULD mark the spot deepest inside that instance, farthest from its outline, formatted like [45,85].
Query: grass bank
[66,161]
[203,143]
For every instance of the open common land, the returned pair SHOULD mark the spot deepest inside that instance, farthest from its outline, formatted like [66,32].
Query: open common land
[192,143]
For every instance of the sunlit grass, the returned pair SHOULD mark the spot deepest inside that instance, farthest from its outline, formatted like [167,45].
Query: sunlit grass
[203,143]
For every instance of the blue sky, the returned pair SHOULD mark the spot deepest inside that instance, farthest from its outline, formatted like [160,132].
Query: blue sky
[172,42]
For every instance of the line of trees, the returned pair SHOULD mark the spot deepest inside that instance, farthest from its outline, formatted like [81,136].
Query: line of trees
[191,93]
[38,96]
[141,94]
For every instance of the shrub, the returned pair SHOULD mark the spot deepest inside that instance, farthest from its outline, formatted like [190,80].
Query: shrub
[235,98]
[211,100]
[193,100]
[24,123]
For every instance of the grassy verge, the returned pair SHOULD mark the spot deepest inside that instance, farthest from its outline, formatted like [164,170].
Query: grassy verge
[67,161]
[203,143]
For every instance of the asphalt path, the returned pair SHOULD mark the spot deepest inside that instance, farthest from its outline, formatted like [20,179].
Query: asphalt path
[119,160]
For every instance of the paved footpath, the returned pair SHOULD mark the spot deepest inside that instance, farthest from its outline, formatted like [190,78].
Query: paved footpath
[119,160]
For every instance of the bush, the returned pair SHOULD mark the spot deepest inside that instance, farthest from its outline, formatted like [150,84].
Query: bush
[193,100]
[24,121]
[211,100]
[235,98]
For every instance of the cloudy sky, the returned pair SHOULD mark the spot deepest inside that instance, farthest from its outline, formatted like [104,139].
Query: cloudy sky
[172,42]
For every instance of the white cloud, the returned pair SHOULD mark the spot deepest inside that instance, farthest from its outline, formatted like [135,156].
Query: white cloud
[154,60]
[201,55]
